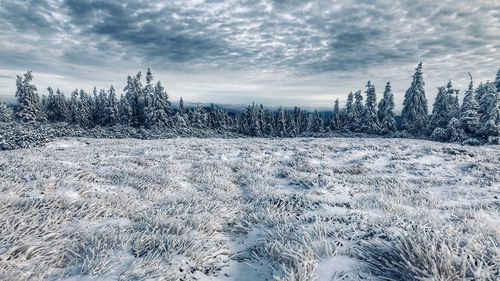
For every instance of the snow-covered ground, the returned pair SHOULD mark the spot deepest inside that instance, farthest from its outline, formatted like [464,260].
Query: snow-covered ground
[250,209]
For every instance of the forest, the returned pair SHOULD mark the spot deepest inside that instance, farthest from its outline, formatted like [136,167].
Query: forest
[474,121]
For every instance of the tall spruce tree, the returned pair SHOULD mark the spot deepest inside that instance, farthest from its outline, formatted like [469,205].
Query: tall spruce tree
[6,113]
[357,111]
[414,114]
[387,121]
[27,98]
[336,120]
[469,117]
[490,111]
[369,119]
[350,118]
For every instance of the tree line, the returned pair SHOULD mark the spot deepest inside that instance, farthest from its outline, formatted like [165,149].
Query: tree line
[147,105]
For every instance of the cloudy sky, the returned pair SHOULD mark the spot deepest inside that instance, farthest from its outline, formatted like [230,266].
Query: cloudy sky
[236,51]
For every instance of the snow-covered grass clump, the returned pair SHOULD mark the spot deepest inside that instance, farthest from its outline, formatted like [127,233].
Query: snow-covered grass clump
[250,209]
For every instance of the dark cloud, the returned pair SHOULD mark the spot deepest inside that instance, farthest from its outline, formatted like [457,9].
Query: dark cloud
[345,39]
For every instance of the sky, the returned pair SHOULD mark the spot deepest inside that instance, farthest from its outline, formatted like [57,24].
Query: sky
[305,53]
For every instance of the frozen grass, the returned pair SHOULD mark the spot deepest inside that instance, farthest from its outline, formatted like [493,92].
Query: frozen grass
[250,209]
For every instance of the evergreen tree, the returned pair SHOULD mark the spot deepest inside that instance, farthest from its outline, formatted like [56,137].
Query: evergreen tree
[369,119]
[291,129]
[74,110]
[316,123]
[112,111]
[158,109]
[5,113]
[469,117]
[388,122]
[28,99]
[357,112]
[281,123]
[180,117]
[61,107]
[49,105]
[455,132]
[452,100]
[350,117]
[126,112]
[414,114]
[134,95]
[440,112]
[336,120]
[490,111]
[85,109]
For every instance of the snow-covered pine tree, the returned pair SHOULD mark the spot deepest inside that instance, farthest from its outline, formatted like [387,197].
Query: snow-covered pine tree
[6,113]
[350,118]
[452,96]
[180,118]
[112,112]
[126,112]
[336,120]
[280,123]
[269,128]
[292,129]
[146,102]
[74,110]
[469,117]
[388,121]
[455,132]
[85,109]
[27,97]
[358,109]
[158,109]
[133,93]
[414,114]
[490,111]
[440,114]
[49,105]
[60,107]
[369,119]
[316,122]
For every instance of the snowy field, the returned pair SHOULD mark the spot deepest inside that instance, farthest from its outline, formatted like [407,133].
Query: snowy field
[250,209]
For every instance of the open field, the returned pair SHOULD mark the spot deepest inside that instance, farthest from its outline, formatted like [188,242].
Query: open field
[250,209]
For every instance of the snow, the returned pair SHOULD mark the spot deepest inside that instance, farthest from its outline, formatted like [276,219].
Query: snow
[246,209]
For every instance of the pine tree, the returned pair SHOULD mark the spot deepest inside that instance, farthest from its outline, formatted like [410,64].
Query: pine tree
[291,129]
[28,99]
[180,116]
[49,105]
[74,110]
[112,112]
[126,112]
[134,95]
[452,100]
[358,109]
[5,113]
[62,111]
[469,117]
[281,123]
[85,108]
[455,132]
[336,120]
[369,119]
[158,113]
[388,121]
[490,111]
[414,114]
[316,123]
[350,117]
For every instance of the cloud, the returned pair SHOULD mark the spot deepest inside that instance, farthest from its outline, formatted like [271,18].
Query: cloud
[338,44]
